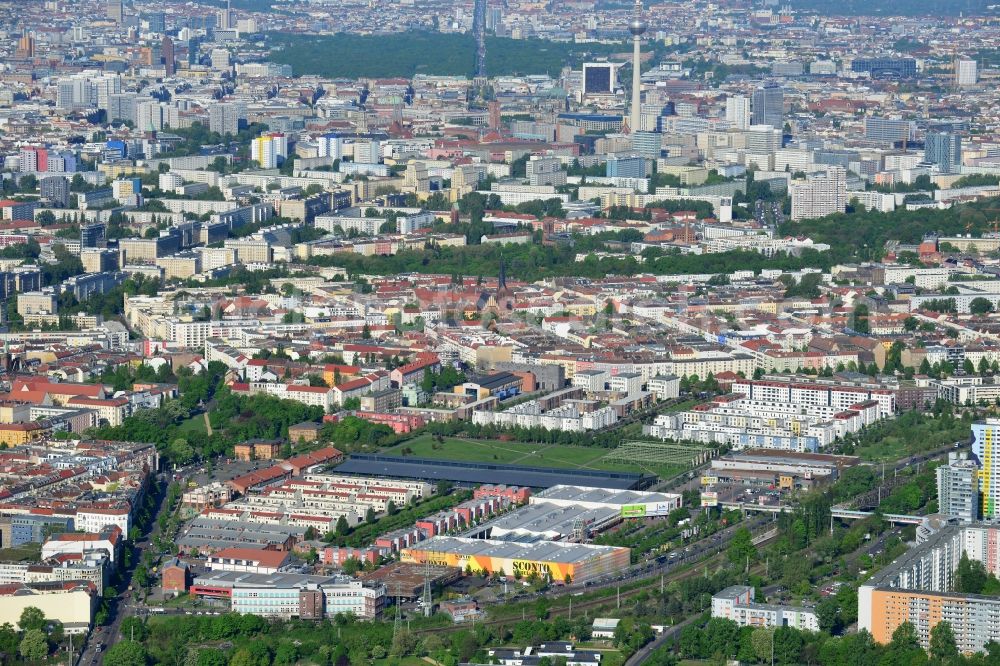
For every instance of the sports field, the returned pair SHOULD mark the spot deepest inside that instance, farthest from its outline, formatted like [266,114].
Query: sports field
[523,453]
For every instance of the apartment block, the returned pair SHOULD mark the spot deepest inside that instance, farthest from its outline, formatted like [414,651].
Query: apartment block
[917,588]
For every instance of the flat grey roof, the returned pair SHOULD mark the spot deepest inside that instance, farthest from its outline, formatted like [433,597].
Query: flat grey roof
[239,579]
[731,592]
[211,532]
[542,551]
[538,518]
[602,495]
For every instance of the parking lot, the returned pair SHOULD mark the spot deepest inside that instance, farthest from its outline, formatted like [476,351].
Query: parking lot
[220,471]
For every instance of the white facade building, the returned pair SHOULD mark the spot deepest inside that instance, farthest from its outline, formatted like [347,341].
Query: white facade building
[736,603]
[820,195]
[738,111]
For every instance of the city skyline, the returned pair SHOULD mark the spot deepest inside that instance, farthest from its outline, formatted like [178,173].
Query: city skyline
[499,331]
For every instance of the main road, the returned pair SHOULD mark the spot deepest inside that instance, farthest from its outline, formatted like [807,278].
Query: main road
[122,605]
[643,653]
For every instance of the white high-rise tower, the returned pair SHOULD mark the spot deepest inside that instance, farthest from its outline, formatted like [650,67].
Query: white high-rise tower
[738,111]
[226,17]
[637,26]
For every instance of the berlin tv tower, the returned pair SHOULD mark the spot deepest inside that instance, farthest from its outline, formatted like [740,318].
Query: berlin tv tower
[636,26]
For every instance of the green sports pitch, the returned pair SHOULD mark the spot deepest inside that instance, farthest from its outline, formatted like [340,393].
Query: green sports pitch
[531,454]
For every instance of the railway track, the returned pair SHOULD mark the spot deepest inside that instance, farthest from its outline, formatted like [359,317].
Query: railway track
[692,570]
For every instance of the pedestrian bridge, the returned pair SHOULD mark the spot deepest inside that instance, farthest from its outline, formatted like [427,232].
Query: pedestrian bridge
[836,512]
[895,518]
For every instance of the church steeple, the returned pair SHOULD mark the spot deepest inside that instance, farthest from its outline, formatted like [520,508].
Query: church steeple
[502,278]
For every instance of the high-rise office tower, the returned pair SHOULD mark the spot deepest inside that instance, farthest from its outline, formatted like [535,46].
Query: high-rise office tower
[167,52]
[647,144]
[103,88]
[738,111]
[367,151]
[945,150]
[151,116]
[966,72]
[331,145]
[226,21]
[116,10]
[762,139]
[769,106]
[194,48]
[156,22]
[151,55]
[220,59]
[599,78]
[121,106]
[626,166]
[637,26]
[80,91]
[494,18]
[93,235]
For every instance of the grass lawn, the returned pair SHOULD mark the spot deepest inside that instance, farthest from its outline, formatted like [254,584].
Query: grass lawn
[521,453]
[195,424]
[401,661]
[890,449]
[27,552]
[682,406]
[611,658]
[504,453]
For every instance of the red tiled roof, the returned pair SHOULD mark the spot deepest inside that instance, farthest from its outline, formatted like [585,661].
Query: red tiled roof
[265,558]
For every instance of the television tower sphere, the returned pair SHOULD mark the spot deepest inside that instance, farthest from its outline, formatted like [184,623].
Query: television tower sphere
[637,26]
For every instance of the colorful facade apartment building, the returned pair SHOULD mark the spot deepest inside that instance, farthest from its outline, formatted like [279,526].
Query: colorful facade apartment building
[985,437]
[917,588]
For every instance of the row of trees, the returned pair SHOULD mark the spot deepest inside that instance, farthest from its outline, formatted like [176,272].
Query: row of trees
[235,640]
[644,539]
[913,432]
[351,433]
[971,577]
[534,262]
[537,434]
[34,637]
[443,380]
[197,136]
[409,53]
[161,426]
[863,234]
[122,377]
[394,518]
[720,638]
[241,417]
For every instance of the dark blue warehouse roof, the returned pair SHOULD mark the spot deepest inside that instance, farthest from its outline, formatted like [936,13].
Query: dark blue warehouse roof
[460,471]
